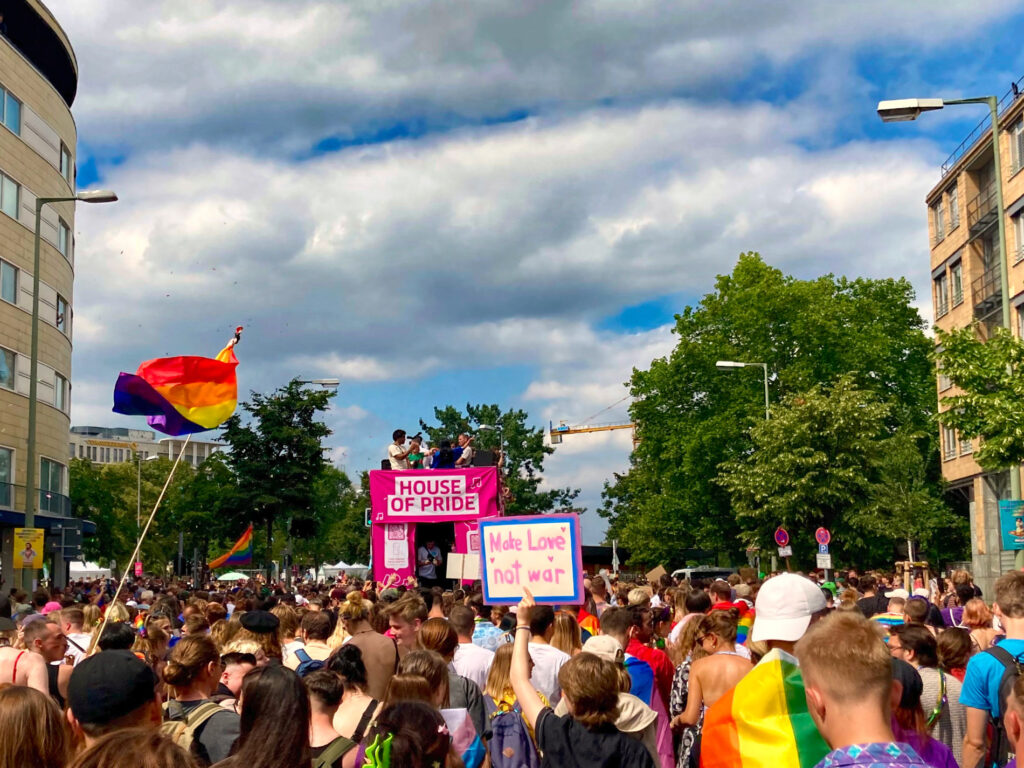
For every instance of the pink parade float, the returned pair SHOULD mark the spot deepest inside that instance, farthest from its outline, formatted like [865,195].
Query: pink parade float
[413,506]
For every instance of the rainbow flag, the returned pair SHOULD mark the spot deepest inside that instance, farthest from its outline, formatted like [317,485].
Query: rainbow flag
[240,554]
[181,395]
[763,722]
[743,628]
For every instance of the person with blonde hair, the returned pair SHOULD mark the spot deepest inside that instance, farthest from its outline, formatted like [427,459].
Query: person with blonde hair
[287,630]
[193,672]
[848,679]
[567,637]
[33,734]
[380,654]
[137,747]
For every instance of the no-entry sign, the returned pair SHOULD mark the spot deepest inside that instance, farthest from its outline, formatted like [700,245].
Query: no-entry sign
[781,536]
[822,536]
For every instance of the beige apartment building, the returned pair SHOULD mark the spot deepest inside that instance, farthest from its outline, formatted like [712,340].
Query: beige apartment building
[963,231]
[38,80]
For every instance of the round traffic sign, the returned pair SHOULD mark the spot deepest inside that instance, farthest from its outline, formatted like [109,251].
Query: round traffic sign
[781,536]
[822,536]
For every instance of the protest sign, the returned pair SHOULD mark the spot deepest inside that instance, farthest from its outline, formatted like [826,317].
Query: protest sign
[541,552]
[412,496]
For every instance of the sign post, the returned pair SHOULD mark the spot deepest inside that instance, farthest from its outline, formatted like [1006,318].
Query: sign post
[785,550]
[541,552]
[824,561]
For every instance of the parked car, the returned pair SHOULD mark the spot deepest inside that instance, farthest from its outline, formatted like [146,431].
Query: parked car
[708,572]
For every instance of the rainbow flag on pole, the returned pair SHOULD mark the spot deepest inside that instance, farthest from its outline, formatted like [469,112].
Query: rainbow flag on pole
[763,722]
[240,554]
[181,395]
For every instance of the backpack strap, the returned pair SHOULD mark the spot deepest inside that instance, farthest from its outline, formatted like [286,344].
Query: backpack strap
[398,657]
[173,711]
[337,748]
[301,655]
[1010,663]
[197,718]
[357,734]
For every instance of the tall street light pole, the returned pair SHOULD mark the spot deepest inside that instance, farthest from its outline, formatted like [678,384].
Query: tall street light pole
[731,365]
[902,110]
[31,497]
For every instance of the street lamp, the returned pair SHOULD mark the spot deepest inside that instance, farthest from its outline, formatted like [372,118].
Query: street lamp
[325,383]
[908,109]
[730,365]
[501,439]
[91,196]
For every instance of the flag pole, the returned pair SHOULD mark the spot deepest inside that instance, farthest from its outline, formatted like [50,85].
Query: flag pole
[138,545]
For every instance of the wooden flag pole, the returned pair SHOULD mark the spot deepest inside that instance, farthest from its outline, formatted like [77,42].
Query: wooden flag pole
[138,545]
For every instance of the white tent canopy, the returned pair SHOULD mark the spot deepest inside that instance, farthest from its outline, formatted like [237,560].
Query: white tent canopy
[80,570]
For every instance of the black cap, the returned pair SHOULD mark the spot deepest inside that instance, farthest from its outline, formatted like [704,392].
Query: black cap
[260,622]
[910,679]
[109,685]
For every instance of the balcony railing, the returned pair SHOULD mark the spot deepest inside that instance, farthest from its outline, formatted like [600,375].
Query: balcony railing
[941,307]
[981,128]
[986,292]
[50,503]
[981,210]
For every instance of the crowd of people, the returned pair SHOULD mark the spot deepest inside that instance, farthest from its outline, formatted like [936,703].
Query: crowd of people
[418,455]
[784,671]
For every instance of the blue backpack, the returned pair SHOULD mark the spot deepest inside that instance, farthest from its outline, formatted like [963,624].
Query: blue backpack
[306,663]
[510,745]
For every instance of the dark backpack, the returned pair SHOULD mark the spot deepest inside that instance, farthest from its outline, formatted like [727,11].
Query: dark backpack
[306,663]
[510,745]
[1000,746]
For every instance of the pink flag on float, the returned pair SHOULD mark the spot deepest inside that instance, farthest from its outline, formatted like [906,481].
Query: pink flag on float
[434,495]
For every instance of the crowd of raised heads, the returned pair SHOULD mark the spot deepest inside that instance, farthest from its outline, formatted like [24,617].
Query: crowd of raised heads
[744,671]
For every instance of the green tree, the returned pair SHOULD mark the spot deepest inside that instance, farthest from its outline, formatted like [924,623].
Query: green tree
[339,515]
[988,375]
[827,458]
[277,457]
[524,447]
[204,510]
[93,498]
[692,417]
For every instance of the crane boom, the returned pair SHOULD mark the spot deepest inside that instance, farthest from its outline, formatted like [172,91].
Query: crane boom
[556,433]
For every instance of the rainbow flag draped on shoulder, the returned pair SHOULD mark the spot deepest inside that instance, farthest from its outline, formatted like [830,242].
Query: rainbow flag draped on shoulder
[181,395]
[763,722]
[240,554]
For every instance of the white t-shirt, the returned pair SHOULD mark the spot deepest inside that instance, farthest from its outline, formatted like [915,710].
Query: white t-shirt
[396,463]
[466,458]
[473,662]
[83,639]
[289,648]
[547,661]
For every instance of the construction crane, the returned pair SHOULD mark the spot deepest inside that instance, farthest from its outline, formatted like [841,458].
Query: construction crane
[556,433]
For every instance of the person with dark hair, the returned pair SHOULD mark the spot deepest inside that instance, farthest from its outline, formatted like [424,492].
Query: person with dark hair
[326,745]
[314,629]
[954,650]
[697,603]
[410,734]
[909,722]
[639,646]
[357,707]
[547,660]
[952,616]
[398,454]
[193,672]
[470,660]
[443,457]
[945,716]
[274,727]
[872,603]
[617,623]
[45,638]
[117,637]
[137,747]
[587,736]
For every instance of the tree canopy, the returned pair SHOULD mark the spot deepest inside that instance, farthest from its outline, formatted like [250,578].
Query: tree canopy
[691,418]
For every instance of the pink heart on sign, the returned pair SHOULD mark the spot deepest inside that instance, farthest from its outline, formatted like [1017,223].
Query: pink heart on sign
[563,529]
[551,558]
[492,560]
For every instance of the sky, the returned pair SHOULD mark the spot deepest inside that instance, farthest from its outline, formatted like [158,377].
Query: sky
[476,202]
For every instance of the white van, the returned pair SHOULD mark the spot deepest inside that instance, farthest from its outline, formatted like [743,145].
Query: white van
[707,572]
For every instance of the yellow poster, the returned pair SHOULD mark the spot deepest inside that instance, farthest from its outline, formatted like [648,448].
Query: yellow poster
[28,547]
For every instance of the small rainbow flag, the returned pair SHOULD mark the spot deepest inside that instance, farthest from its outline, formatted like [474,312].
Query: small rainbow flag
[763,722]
[181,395]
[239,554]
[743,627]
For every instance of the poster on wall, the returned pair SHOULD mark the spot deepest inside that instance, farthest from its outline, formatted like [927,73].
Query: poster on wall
[396,546]
[1011,524]
[541,552]
[28,547]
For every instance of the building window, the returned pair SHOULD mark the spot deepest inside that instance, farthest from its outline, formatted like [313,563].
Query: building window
[966,447]
[6,476]
[956,279]
[1018,237]
[954,207]
[7,362]
[9,191]
[51,476]
[941,296]
[61,319]
[66,167]
[63,239]
[944,380]
[1017,144]
[10,111]
[939,219]
[60,392]
[948,443]
[8,282]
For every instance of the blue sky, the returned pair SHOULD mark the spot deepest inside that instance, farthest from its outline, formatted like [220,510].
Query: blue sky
[490,203]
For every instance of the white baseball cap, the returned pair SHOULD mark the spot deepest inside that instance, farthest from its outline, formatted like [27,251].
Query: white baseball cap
[784,606]
[898,593]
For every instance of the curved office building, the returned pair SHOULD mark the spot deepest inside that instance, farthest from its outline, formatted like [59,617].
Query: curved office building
[38,80]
